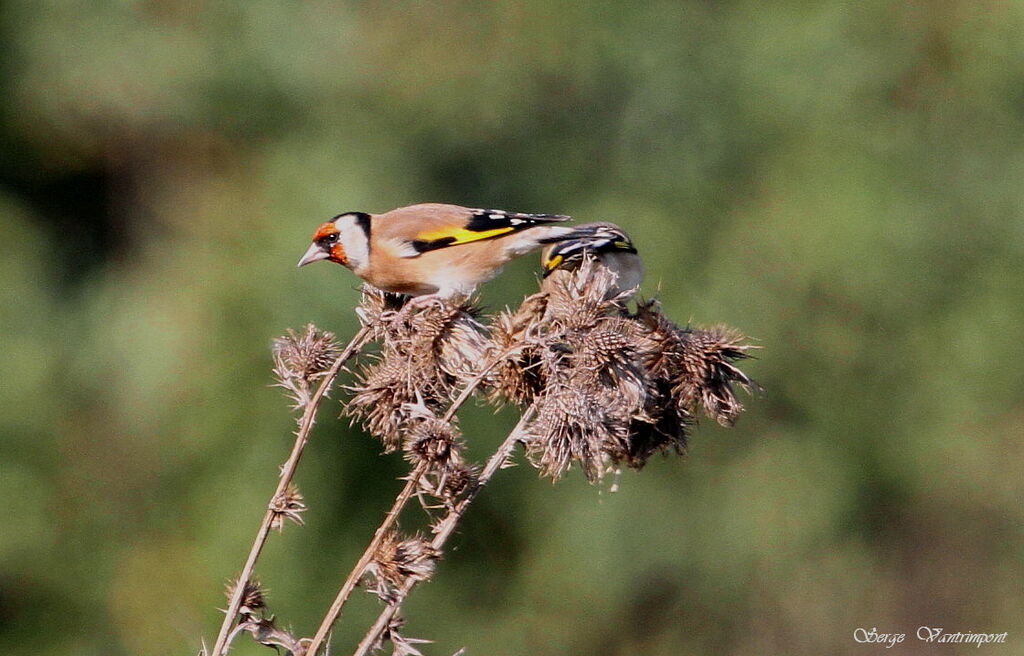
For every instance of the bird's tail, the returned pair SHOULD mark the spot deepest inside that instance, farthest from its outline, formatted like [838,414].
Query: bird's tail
[593,238]
[597,235]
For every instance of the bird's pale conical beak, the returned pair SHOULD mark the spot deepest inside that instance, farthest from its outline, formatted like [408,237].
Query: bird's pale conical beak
[313,254]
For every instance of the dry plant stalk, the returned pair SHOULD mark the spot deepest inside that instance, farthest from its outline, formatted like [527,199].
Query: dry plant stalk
[599,386]
[299,362]
[424,358]
[442,531]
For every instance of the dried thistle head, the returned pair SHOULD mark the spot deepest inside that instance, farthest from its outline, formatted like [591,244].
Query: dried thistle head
[590,358]
[380,397]
[579,298]
[254,619]
[611,352]
[377,307]
[664,335]
[515,344]
[663,428]
[425,354]
[618,387]
[401,645]
[708,372]
[306,355]
[577,425]
[450,337]
[458,480]
[444,334]
[254,600]
[435,442]
[398,559]
[289,504]
[697,365]
[299,359]
[446,485]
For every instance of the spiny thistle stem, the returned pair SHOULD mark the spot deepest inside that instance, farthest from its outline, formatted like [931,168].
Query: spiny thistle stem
[444,530]
[412,482]
[353,578]
[287,473]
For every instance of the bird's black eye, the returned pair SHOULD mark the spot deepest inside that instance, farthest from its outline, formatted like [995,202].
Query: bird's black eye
[327,240]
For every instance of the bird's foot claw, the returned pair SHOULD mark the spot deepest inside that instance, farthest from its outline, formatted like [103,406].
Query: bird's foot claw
[415,304]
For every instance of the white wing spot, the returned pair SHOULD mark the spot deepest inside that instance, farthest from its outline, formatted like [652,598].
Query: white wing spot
[401,247]
[497,215]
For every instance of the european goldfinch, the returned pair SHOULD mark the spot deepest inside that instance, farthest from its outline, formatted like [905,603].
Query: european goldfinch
[431,250]
[607,243]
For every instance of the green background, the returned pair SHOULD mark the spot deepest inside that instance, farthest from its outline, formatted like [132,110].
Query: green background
[841,181]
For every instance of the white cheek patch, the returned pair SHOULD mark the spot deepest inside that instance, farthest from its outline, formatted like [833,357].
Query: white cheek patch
[353,240]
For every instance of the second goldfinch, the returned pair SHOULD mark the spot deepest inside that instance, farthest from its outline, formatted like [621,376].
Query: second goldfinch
[607,243]
[431,250]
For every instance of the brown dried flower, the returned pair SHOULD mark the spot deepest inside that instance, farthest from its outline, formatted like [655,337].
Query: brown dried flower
[697,365]
[287,505]
[398,559]
[458,480]
[595,384]
[570,427]
[401,645]
[617,387]
[435,442]
[515,345]
[301,359]
[425,354]
[254,620]
[708,372]
[253,597]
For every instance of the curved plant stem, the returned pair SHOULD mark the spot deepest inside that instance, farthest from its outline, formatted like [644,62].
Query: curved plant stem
[287,473]
[357,571]
[412,481]
[444,530]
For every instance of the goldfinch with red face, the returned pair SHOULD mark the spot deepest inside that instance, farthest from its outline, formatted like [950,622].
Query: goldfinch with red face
[607,243]
[431,250]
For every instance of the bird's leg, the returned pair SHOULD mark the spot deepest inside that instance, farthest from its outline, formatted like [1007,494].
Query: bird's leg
[425,301]
[418,303]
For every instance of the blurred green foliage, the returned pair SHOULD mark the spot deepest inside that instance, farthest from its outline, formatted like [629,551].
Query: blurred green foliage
[840,180]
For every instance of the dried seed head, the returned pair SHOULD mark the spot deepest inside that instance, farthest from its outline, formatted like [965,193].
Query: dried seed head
[515,343]
[663,429]
[461,343]
[301,359]
[616,387]
[575,425]
[458,480]
[253,597]
[445,339]
[664,335]
[306,355]
[397,559]
[381,399]
[595,384]
[697,365]
[587,293]
[287,505]
[402,646]
[435,442]
[377,307]
[612,352]
[708,372]
[426,353]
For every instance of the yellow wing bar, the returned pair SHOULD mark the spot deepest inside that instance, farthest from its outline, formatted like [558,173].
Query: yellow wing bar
[454,236]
